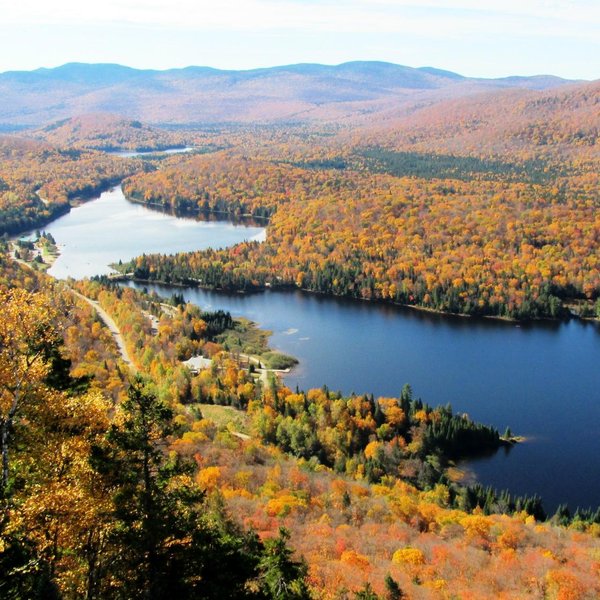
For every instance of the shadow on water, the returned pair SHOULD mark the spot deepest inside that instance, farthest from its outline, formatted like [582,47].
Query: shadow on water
[103,231]
[205,216]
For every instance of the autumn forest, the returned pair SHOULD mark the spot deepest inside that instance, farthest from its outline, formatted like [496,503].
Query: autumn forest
[131,471]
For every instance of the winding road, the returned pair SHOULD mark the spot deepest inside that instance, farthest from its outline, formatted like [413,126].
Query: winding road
[112,327]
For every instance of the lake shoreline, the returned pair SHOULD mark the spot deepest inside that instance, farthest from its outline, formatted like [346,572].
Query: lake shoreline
[379,301]
[82,198]
[47,255]
[490,372]
[198,211]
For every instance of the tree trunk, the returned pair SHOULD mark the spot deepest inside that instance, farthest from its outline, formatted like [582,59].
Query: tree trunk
[4,435]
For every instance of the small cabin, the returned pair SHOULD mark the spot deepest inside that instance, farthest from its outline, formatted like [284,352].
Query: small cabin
[197,363]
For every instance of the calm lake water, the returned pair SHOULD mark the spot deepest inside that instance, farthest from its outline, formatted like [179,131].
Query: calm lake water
[542,380]
[102,231]
[130,154]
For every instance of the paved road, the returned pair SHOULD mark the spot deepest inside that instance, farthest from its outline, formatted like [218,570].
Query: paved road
[108,321]
[112,327]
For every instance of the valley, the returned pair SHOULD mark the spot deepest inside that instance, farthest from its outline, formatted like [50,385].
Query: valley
[478,366]
[414,238]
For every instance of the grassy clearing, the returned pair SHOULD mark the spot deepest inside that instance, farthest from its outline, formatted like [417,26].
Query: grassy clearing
[278,361]
[246,338]
[225,416]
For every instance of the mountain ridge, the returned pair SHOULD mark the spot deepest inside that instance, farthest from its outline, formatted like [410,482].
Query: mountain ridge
[304,91]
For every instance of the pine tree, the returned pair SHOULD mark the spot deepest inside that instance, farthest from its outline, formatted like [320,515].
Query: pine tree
[392,589]
[171,542]
[282,577]
[366,593]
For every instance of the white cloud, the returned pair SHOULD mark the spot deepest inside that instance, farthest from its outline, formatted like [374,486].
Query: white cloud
[473,37]
[444,18]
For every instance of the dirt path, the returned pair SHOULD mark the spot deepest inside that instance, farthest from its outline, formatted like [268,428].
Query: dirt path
[112,327]
[263,372]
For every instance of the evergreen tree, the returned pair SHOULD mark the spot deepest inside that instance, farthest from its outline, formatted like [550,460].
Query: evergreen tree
[282,577]
[169,544]
[366,593]
[392,589]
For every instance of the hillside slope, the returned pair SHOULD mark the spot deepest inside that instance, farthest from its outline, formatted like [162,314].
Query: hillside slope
[499,122]
[103,131]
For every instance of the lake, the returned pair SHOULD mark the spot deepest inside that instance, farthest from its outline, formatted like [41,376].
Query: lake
[102,231]
[167,151]
[541,379]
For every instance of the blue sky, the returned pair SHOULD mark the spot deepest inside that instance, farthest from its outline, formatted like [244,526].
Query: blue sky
[487,38]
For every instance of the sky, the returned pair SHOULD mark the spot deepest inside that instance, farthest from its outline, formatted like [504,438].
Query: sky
[478,38]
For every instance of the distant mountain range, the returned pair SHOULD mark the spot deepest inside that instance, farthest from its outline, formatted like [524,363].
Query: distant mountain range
[202,95]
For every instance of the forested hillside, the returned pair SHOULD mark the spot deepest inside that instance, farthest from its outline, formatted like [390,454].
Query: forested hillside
[495,239]
[288,94]
[115,486]
[107,132]
[38,181]
[557,124]
[158,477]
